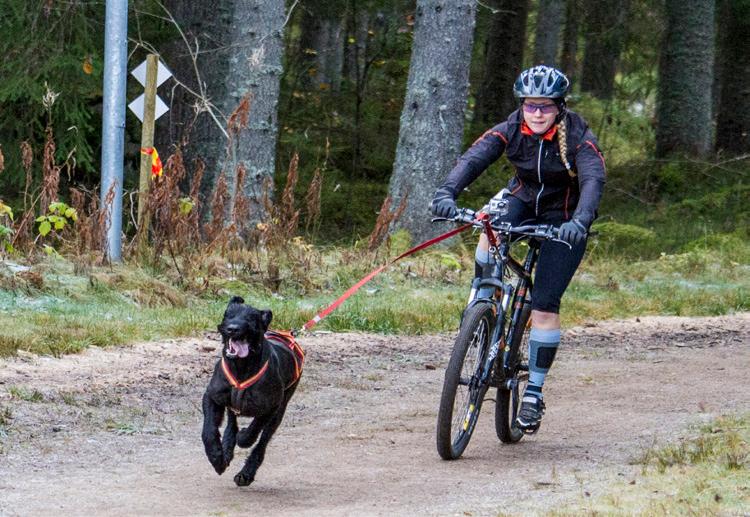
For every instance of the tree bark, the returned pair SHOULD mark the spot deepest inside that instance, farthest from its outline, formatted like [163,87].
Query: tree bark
[569,56]
[503,62]
[733,121]
[322,44]
[685,79]
[605,33]
[187,121]
[549,19]
[256,47]
[431,131]
[356,45]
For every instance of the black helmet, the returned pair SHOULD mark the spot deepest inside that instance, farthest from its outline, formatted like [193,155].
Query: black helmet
[541,81]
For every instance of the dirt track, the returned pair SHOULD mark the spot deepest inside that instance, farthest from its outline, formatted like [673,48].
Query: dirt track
[118,430]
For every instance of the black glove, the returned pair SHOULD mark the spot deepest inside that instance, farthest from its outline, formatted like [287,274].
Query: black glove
[573,232]
[443,204]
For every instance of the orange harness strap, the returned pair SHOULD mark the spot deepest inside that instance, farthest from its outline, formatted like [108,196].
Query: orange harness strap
[281,337]
[286,338]
[246,383]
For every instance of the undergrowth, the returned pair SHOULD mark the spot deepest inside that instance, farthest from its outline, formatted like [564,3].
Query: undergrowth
[672,238]
[52,309]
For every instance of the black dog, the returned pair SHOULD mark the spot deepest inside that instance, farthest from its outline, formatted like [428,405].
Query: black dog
[256,376]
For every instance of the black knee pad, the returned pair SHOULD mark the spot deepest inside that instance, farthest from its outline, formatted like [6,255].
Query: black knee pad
[545,356]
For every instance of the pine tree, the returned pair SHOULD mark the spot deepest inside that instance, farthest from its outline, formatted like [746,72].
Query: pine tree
[733,120]
[502,63]
[432,119]
[685,79]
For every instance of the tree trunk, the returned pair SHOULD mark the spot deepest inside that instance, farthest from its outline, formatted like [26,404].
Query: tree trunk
[733,119]
[256,46]
[685,78]
[356,45]
[503,62]
[569,57]
[187,121]
[332,61]
[322,44]
[549,19]
[431,131]
[605,33]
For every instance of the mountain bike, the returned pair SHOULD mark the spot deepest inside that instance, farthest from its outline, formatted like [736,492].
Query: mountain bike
[492,343]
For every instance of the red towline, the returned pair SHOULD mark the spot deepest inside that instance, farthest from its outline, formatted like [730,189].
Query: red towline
[353,289]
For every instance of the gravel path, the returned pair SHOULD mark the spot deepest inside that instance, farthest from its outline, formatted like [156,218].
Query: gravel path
[117,431]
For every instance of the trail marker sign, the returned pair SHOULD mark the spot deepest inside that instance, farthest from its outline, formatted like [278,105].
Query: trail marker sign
[162,74]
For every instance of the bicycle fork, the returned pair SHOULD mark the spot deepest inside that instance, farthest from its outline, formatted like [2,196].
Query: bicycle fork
[497,340]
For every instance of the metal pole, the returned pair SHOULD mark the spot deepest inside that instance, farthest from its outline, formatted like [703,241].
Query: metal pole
[113,121]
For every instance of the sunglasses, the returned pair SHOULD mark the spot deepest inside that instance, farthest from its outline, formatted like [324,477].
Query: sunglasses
[544,108]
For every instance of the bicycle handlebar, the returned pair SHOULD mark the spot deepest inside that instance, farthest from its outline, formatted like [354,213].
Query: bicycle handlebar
[538,231]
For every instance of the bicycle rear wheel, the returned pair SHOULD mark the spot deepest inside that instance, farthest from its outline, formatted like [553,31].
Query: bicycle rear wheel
[462,395]
[508,398]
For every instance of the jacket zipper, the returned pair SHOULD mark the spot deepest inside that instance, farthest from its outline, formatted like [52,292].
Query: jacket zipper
[539,175]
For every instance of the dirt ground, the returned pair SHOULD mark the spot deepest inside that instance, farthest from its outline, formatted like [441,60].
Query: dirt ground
[117,431]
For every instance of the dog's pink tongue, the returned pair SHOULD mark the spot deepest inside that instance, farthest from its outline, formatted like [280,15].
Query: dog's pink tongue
[238,348]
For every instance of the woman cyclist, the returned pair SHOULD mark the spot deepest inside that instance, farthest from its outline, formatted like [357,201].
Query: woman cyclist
[559,179]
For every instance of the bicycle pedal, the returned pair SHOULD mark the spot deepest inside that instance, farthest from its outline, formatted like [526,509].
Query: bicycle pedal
[531,430]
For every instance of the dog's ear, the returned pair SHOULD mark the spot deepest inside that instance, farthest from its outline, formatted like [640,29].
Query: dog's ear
[266,317]
[236,299]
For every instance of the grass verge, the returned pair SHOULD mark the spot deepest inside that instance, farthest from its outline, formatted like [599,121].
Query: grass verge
[708,474]
[66,312]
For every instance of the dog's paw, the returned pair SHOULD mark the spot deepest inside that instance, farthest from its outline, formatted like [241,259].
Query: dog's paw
[219,464]
[242,479]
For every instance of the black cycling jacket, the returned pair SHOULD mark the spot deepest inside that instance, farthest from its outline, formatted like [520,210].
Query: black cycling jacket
[541,179]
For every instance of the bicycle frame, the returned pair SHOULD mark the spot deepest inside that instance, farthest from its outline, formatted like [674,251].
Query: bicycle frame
[504,262]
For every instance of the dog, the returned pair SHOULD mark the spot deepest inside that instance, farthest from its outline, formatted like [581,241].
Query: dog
[256,376]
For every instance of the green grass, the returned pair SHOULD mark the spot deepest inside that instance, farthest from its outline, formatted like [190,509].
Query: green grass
[681,250]
[20,393]
[708,474]
[421,294]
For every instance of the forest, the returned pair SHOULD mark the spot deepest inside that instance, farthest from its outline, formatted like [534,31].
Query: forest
[301,147]
[294,175]
[333,81]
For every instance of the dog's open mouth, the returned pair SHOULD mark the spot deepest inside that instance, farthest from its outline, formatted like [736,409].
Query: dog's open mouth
[237,348]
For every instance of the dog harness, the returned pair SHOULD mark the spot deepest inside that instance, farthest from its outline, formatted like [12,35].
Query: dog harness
[247,382]
[286,338]
[276,337]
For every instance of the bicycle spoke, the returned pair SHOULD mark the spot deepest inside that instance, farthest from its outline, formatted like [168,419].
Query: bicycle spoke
[463,391]
[465,401]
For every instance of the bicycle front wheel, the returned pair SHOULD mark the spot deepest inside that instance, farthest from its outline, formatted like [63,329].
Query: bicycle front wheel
[462,395]
[509,396]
